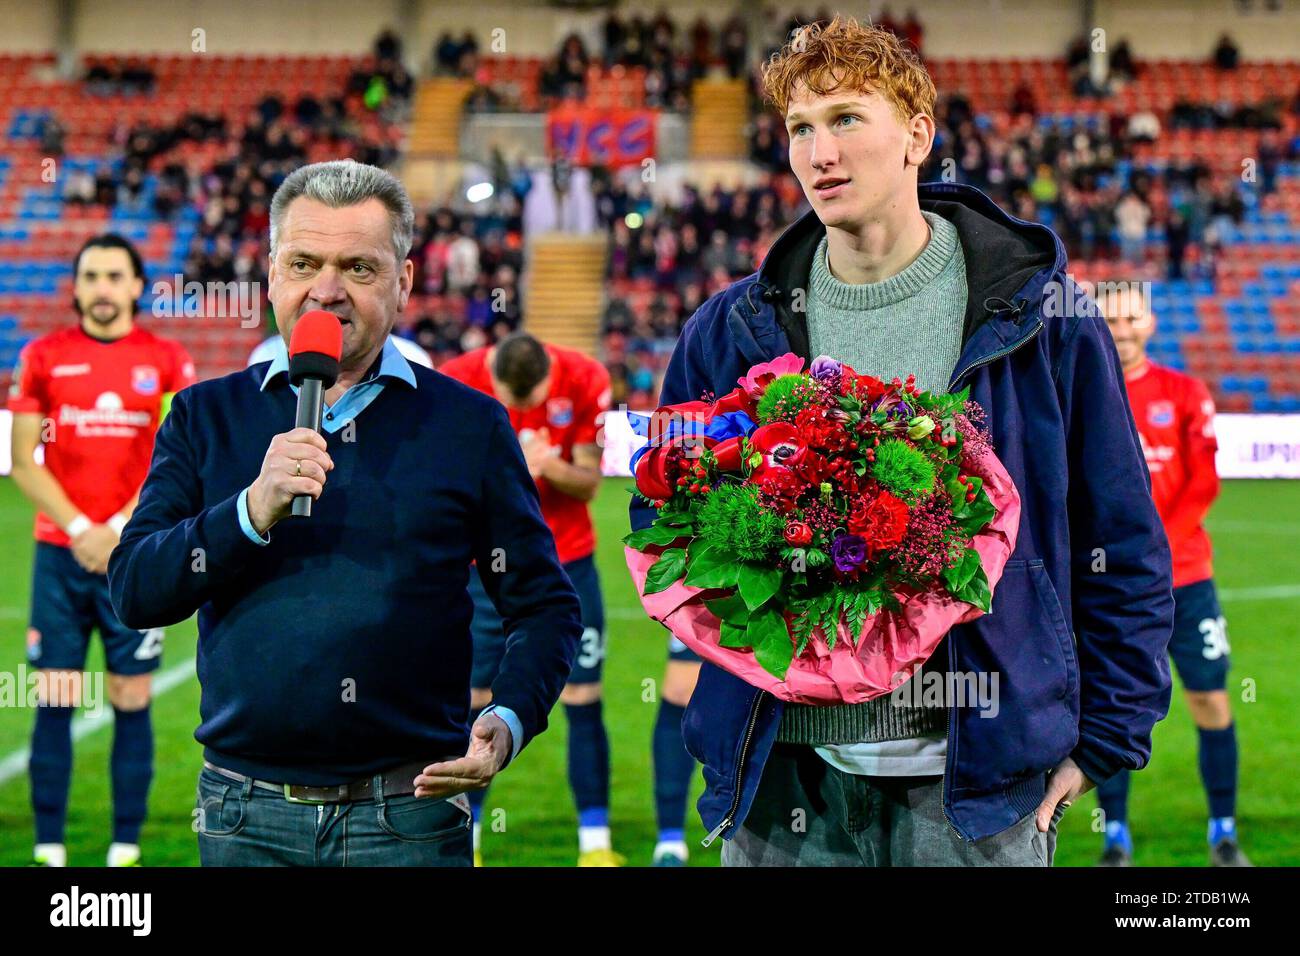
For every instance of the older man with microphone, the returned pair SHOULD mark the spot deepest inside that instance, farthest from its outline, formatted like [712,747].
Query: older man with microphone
[334,643]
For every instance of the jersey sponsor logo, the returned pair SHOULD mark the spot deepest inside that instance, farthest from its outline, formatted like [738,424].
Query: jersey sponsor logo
[559,412]
[1161,414]
[1156,455]
[107,418]
[144,379]
[33,644]
[63,371]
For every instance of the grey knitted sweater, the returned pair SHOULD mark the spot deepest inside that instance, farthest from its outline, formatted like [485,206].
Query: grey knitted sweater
[908,323]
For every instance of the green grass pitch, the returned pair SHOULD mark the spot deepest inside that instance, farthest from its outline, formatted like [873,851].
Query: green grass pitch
[1255,527]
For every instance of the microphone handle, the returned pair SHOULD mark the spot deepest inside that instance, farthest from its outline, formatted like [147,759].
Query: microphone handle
[310,397]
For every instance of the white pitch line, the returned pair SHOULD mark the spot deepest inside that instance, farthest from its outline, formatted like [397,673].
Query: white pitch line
[14,764]
[1272,592]
[1253,527]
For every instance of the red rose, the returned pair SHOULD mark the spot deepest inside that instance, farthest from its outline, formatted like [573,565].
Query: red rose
[656,473]
[798,534]
[727,454]
[881,521]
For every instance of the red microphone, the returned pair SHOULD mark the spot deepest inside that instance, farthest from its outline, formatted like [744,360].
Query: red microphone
[315,347]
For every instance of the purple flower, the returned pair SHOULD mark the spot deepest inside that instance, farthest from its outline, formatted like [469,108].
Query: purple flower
[849,552]
[824,368]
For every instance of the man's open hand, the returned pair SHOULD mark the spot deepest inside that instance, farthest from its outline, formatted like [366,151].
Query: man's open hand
[1067,782]
[489,749]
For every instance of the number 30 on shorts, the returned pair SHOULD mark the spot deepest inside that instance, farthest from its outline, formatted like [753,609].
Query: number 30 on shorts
[1215,632]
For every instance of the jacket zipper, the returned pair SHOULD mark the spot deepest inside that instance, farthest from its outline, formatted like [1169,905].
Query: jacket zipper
[951,731]
[995,356]
[740,769]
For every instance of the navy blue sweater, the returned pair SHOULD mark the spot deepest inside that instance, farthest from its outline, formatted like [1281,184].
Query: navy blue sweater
[343,647]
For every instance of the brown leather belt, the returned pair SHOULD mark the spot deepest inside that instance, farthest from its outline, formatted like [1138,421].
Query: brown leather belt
[397,782]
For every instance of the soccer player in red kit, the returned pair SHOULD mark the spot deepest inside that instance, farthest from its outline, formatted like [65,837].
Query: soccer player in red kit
[1174,414]
[556,398]
[93,395]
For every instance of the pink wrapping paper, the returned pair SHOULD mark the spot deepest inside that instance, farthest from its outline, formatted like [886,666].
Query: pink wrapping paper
[892,644]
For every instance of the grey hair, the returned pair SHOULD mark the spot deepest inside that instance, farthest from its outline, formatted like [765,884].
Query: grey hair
[345,182]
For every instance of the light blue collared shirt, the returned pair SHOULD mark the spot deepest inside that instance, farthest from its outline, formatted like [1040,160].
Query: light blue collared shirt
[392,364]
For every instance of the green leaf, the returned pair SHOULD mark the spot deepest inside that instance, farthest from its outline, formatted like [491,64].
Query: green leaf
[655,534]
[733,635]
[770,639]
[731,609]
[711,567]
[816,557]
[758,583]
[977,514]
[976,591]
[677,519]
[957,576]
[666,570]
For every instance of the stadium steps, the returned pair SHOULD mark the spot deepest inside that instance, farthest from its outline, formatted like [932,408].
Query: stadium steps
[566,289]
[719,110]
[431,180]
[435,120]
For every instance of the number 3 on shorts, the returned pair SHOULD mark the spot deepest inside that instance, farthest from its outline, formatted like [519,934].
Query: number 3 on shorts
[592,650]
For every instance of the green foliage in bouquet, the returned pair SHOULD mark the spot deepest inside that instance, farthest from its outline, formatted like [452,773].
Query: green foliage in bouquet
[732,520]
[903,470]
[784,398]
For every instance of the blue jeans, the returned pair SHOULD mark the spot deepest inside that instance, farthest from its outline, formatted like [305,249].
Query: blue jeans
[808,813]
[242,825]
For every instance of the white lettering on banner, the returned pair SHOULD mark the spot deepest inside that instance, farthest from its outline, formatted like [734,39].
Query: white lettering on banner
[1257,446]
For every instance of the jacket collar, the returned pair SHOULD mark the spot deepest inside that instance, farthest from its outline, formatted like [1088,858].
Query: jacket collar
[1008,261]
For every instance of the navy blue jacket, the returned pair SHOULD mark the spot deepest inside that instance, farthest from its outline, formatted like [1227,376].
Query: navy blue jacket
[342,647]
[1082,617]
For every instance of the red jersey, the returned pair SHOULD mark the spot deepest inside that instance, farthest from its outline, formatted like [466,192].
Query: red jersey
[1174,414]
[572,415]
[103,402]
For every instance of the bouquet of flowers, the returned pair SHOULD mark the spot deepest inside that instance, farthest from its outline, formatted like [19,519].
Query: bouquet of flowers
[818,532]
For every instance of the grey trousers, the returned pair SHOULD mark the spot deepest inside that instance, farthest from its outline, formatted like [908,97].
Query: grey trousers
[807,813]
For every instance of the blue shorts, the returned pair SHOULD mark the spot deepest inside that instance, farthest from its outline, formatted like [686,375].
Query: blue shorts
[490,636]
[1199,646]
[68,602]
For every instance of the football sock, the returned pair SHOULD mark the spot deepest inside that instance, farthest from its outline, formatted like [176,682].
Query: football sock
[50,767]
[1218,759]
[132,771]
[673,767]
[589,764]
[1221,828]
[1112,797]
